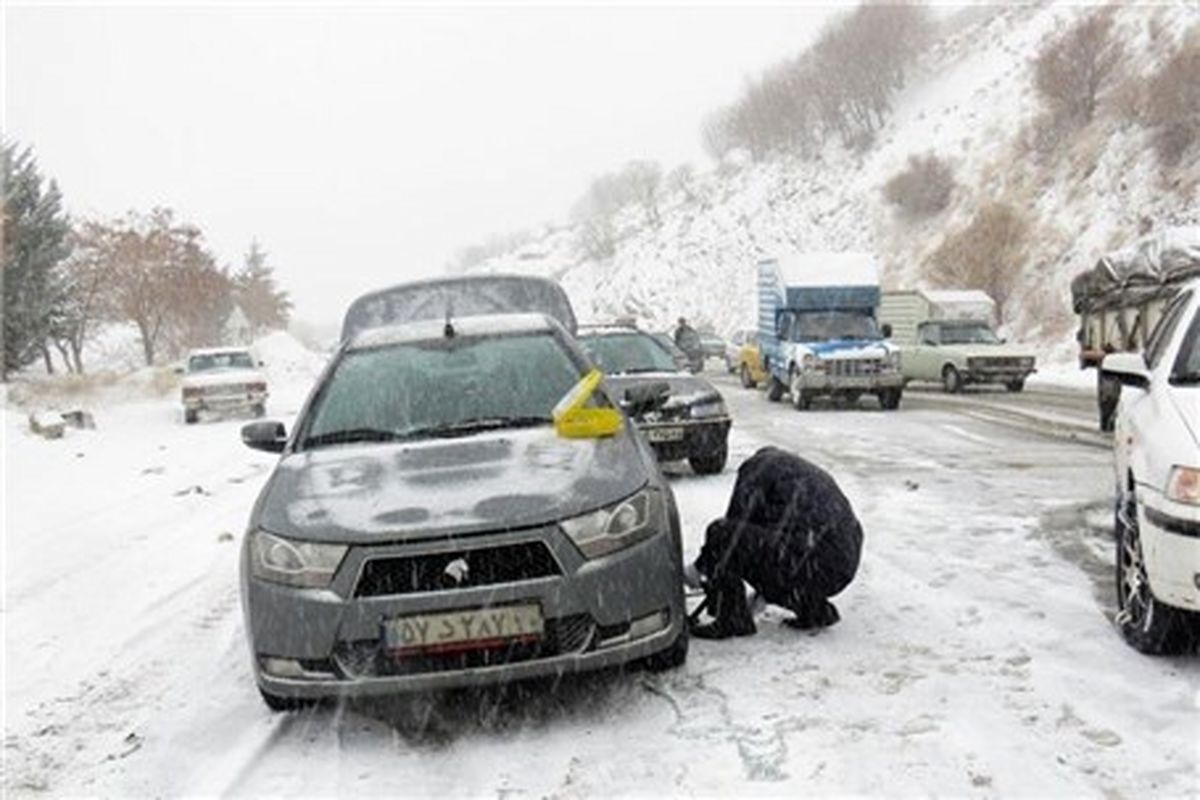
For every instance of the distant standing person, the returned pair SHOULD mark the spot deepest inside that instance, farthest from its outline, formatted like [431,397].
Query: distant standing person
[688,340]
[791,534]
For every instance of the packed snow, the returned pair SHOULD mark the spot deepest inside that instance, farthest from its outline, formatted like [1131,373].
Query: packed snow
[975,656]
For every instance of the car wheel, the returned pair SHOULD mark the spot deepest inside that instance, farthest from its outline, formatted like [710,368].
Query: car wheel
[748,381]
[889,399]
[1148,625]
[1108,394]
[190,417]
[710,463]
[800,400]
[671,658]
[1015,385]
[277,703]
[951,380]
[775,389]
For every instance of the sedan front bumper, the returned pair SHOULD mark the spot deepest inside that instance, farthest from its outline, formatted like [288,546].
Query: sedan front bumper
[598,613]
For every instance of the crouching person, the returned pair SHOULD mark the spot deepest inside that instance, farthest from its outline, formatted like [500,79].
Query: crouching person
[790,533]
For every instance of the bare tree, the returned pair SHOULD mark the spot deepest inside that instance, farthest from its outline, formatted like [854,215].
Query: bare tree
[641,180]
[1073,67]
[922,188]
[1173,101]
[988,254]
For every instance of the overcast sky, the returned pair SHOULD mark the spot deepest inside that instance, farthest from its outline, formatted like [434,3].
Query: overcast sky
[363,145]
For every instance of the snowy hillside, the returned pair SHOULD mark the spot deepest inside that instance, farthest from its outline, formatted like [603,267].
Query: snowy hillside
[971,102]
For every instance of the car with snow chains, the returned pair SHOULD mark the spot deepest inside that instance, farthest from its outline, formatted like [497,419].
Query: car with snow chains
[222,379]
[682,416]
[1157,470]
[460,503]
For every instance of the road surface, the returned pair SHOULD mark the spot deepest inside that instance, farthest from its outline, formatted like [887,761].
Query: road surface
[976,654]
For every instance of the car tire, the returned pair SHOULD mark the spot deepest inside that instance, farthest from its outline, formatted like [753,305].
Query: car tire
[673,657]
[278,703]
[1017,385]
[951,380]
[775,389]
[800,400]
[190,417]
[710,463]
[889,399]
[1148,625]
[1108,395]
[748,381]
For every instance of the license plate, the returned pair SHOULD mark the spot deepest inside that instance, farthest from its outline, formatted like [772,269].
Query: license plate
[664,434]
[455,631]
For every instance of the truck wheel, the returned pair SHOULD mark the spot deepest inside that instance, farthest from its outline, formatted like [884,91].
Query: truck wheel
[710,463]
[1146,624]
[1015,385]
[800,400]
[775,389]
[190,417]
[748,381]
[889,399]
[951,380]
[1108,394]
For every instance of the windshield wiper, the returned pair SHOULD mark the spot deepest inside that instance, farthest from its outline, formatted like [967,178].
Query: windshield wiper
[1185,378]
[350,435]
[641,370]
[464,427]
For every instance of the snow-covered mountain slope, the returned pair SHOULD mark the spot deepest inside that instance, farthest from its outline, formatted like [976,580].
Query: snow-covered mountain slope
[970,101]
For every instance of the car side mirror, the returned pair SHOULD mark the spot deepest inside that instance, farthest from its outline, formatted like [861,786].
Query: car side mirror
[268,435]
[641,400]
[261,364]
[178,369]
[886,330]
[1128,369]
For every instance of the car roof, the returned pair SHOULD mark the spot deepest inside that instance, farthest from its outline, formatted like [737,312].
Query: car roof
[609,330]
[217,351]
[432,330]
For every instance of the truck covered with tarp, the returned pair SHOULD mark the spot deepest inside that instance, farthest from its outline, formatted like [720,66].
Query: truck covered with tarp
[1122,297]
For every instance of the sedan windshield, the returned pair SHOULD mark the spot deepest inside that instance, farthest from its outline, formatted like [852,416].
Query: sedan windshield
[818,326]
[445,388]
[624,353]
[968,334]
[207,362]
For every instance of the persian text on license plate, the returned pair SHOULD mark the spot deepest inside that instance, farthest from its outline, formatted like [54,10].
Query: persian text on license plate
[664,434]
[464,630]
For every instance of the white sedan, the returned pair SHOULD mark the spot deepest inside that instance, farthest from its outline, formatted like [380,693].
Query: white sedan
[1157,449]
[223,379]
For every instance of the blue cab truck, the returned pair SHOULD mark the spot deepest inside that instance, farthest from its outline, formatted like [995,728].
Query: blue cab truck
[818,331]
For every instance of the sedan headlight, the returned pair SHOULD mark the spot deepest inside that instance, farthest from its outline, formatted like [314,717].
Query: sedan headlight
[712,408]
[306,565]
[1183,485]
[618,526]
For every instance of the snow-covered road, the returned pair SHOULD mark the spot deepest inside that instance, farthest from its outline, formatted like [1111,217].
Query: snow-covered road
[975,656]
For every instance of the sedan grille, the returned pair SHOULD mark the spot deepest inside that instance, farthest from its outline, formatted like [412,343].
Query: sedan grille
[465,569]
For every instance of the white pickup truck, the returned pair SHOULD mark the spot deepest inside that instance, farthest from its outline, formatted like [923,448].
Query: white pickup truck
[223,379]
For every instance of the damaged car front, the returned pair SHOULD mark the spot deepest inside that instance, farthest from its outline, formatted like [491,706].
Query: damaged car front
[434,522]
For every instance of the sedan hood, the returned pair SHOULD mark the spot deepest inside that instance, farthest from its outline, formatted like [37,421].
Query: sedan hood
[493,481]
[989,350]
[685,389]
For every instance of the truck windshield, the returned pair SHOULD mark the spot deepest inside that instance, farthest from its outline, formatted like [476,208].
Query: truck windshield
[819,326]
[968,334]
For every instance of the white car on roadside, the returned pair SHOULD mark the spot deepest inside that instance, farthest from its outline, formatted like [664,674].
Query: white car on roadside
[223,379]
[1157,459]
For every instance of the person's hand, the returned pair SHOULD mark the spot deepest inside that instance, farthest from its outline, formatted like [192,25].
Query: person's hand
[692,577]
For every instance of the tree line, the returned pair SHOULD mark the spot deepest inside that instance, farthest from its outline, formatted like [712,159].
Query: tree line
[66,279]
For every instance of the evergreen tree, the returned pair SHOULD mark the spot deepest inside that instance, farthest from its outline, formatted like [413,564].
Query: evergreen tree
[265,305]
[34,241]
